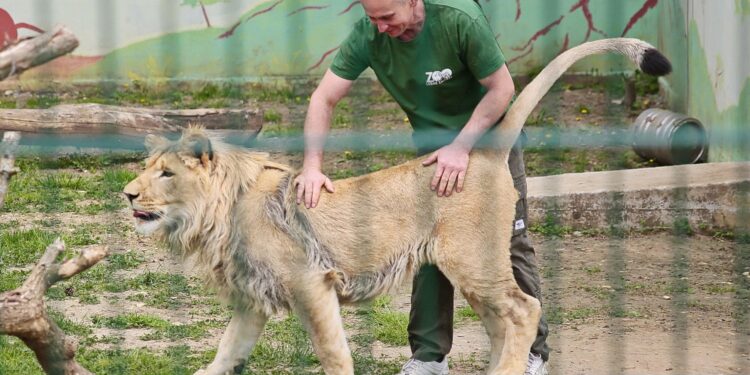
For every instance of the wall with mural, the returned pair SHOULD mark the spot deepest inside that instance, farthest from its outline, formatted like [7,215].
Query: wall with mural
[256,39]
[708,43]
[250,39]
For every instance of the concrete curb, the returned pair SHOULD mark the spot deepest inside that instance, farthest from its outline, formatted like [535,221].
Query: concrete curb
[705,194]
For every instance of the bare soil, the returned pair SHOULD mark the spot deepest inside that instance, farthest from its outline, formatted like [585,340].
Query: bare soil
[661,331]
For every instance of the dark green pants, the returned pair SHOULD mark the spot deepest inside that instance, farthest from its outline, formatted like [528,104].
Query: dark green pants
[431,318]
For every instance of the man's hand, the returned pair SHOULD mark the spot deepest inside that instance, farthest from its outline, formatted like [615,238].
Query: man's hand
[452,162]
[309,184]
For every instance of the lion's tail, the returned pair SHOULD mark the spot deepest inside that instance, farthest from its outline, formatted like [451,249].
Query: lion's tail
[644,55]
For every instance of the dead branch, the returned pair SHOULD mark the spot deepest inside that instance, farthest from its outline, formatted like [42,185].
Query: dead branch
[7,170]
[23,312]
[36,51]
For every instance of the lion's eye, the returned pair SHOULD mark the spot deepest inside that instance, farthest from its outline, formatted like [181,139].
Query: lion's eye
[166,173]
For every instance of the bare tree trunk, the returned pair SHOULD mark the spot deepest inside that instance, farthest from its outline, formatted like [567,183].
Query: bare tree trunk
[7,170]
[205,14]
[104,119]
[36,51]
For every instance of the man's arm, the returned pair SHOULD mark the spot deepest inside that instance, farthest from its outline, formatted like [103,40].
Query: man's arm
[453,159]
[329,92]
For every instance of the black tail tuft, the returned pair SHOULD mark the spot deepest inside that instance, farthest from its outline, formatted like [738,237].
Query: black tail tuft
[655,64]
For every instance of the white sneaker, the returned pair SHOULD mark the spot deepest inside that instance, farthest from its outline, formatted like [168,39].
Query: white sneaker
[535,365]
[417,367]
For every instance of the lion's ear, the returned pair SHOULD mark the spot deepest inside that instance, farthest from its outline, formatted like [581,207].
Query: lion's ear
[153,142]
[199,147]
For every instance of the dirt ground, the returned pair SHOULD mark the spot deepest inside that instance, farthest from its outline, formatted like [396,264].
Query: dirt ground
[659,331]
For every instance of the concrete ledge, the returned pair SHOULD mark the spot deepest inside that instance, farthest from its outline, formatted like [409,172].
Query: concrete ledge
[705,194]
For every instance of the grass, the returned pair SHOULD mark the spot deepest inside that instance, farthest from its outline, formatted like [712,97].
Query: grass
[18,248]
[46,191]
[175,360]
[550,227]
[129,321]
[466,313]
[12,280]
[385,324]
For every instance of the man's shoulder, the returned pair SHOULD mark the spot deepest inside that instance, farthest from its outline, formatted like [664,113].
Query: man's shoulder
[363,28]
[467,8]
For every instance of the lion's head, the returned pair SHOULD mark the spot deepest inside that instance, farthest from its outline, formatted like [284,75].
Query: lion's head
[189,185]
[187,197]
[176,180]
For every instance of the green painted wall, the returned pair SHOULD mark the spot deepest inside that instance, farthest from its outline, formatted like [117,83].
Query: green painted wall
[710,81]
[282,38]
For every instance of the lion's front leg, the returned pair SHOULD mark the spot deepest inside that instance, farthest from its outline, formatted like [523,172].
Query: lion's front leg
[236,343]
[317,306]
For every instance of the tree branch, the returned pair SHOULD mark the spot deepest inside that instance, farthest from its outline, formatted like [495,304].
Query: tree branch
[36,51]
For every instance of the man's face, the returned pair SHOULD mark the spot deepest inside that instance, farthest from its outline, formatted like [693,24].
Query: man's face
[390,16]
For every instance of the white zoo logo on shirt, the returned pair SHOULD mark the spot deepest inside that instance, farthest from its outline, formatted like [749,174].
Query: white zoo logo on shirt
[439,76]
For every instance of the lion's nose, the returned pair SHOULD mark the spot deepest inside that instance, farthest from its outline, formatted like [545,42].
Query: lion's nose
[131,196]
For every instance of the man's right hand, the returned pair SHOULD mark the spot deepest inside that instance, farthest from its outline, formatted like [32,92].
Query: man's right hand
[309,184]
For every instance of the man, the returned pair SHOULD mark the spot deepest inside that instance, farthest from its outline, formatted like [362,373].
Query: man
[440,61]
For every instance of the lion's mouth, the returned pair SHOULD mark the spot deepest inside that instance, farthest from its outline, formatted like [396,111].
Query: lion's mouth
[145,215]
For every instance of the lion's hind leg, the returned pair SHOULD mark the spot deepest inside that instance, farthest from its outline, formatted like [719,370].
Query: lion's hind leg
[317,305]
[511,318]
[483,273]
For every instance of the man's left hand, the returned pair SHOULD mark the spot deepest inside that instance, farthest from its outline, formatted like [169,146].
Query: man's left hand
[452,162]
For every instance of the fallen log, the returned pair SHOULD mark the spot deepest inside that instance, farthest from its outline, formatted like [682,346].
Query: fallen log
[35,51]
[113,127]
[93,119]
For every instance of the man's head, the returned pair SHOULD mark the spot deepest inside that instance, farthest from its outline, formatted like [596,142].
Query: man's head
[401,19]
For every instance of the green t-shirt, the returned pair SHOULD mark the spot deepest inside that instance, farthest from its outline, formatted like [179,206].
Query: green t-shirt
[435,77]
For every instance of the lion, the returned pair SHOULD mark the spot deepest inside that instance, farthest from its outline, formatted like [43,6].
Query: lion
[232,211]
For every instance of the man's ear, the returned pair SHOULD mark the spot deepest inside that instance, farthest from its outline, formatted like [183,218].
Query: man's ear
[153,142]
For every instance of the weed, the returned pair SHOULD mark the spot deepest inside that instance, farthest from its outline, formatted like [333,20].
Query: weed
[550,227]
[124,261]
[271,116]
[16,358]
[177,360]
[386,325]
[284,347]
[18,248]
[68,326]
[188,331]
[592,270]
[161,290]
[719,288]
[600,293]
[11,280]
[129,321]
[558,315]
[646,84]
[682,228]
[466,312]
[622,313]
[43,101]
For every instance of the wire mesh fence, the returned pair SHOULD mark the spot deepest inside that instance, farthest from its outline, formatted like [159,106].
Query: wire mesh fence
[644,268]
